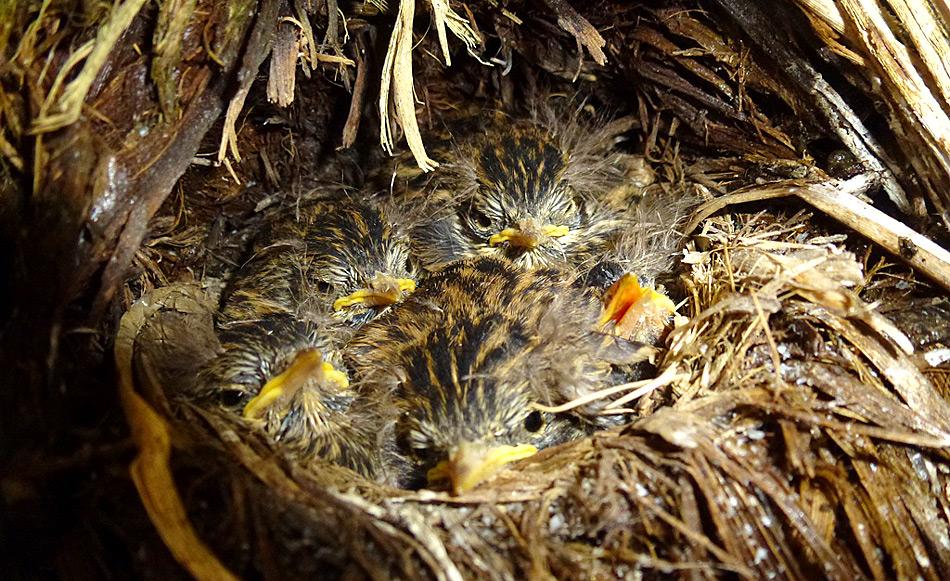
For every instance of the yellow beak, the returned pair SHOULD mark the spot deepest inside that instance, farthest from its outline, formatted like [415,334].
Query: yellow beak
[381,292]
[527,236]
[469,464]
[308,364]
[630,306]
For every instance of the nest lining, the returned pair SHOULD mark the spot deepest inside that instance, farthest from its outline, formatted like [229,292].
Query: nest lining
[791,412]
[798,411]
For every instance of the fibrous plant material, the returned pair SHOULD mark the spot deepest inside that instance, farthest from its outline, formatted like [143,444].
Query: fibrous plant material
[774,399]
[65,110]
[839,199]
[585,34]
[904,46]
[829,103]
[98,178]
[397,78]
[792,429]
[259,47]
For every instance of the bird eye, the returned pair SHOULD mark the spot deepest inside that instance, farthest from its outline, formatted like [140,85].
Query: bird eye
[232,398]
[534,422]
[323,286]
[483,221]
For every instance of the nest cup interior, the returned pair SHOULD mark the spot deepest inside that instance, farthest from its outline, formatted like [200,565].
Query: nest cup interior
[792,422]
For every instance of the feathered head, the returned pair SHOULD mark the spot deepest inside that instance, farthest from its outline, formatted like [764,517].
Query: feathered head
[534,191]
[351,255]
[468,356]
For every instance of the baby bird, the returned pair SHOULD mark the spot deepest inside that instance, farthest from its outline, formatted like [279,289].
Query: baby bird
[284,376]
[468,355]
[348,254]
[538,192]
[314,275]
[278,374]
[630,275]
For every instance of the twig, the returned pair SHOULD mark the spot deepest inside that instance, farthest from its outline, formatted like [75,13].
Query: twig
[352,125]
[255,53]
[282,76]
[717,204]
[838,199]
[913,105]
[585,34]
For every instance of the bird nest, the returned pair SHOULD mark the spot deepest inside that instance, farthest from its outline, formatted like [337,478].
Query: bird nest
[785,414]
[797,421]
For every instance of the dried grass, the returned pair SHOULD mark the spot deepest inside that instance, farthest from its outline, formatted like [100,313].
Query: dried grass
[790,432]
[786,414]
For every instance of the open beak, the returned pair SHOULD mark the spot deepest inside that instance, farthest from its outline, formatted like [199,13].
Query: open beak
[308,364]
[636,312]
[469,464]
[382,291]
[527,235]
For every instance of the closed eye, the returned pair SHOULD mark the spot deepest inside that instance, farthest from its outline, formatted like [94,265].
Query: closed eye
[481,219]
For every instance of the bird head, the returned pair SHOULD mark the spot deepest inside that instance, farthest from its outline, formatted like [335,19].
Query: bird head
[359,259]
[282,375]
[513,196]
[349,256]
[460,430]
[520,206]
[471,359]
[470,354]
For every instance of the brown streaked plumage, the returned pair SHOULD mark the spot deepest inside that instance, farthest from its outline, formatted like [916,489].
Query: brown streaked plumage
[350,255]
[314,274]
[169,338]
[539,192]
[466,356]
[285,377]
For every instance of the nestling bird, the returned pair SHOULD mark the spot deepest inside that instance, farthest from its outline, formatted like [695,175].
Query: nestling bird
[314,274]
[278,374]
[540,192]
[630,274]
[466,357]
[352,255]
[284,376]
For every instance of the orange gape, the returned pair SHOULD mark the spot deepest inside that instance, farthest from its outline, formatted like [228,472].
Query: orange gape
[634,312]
